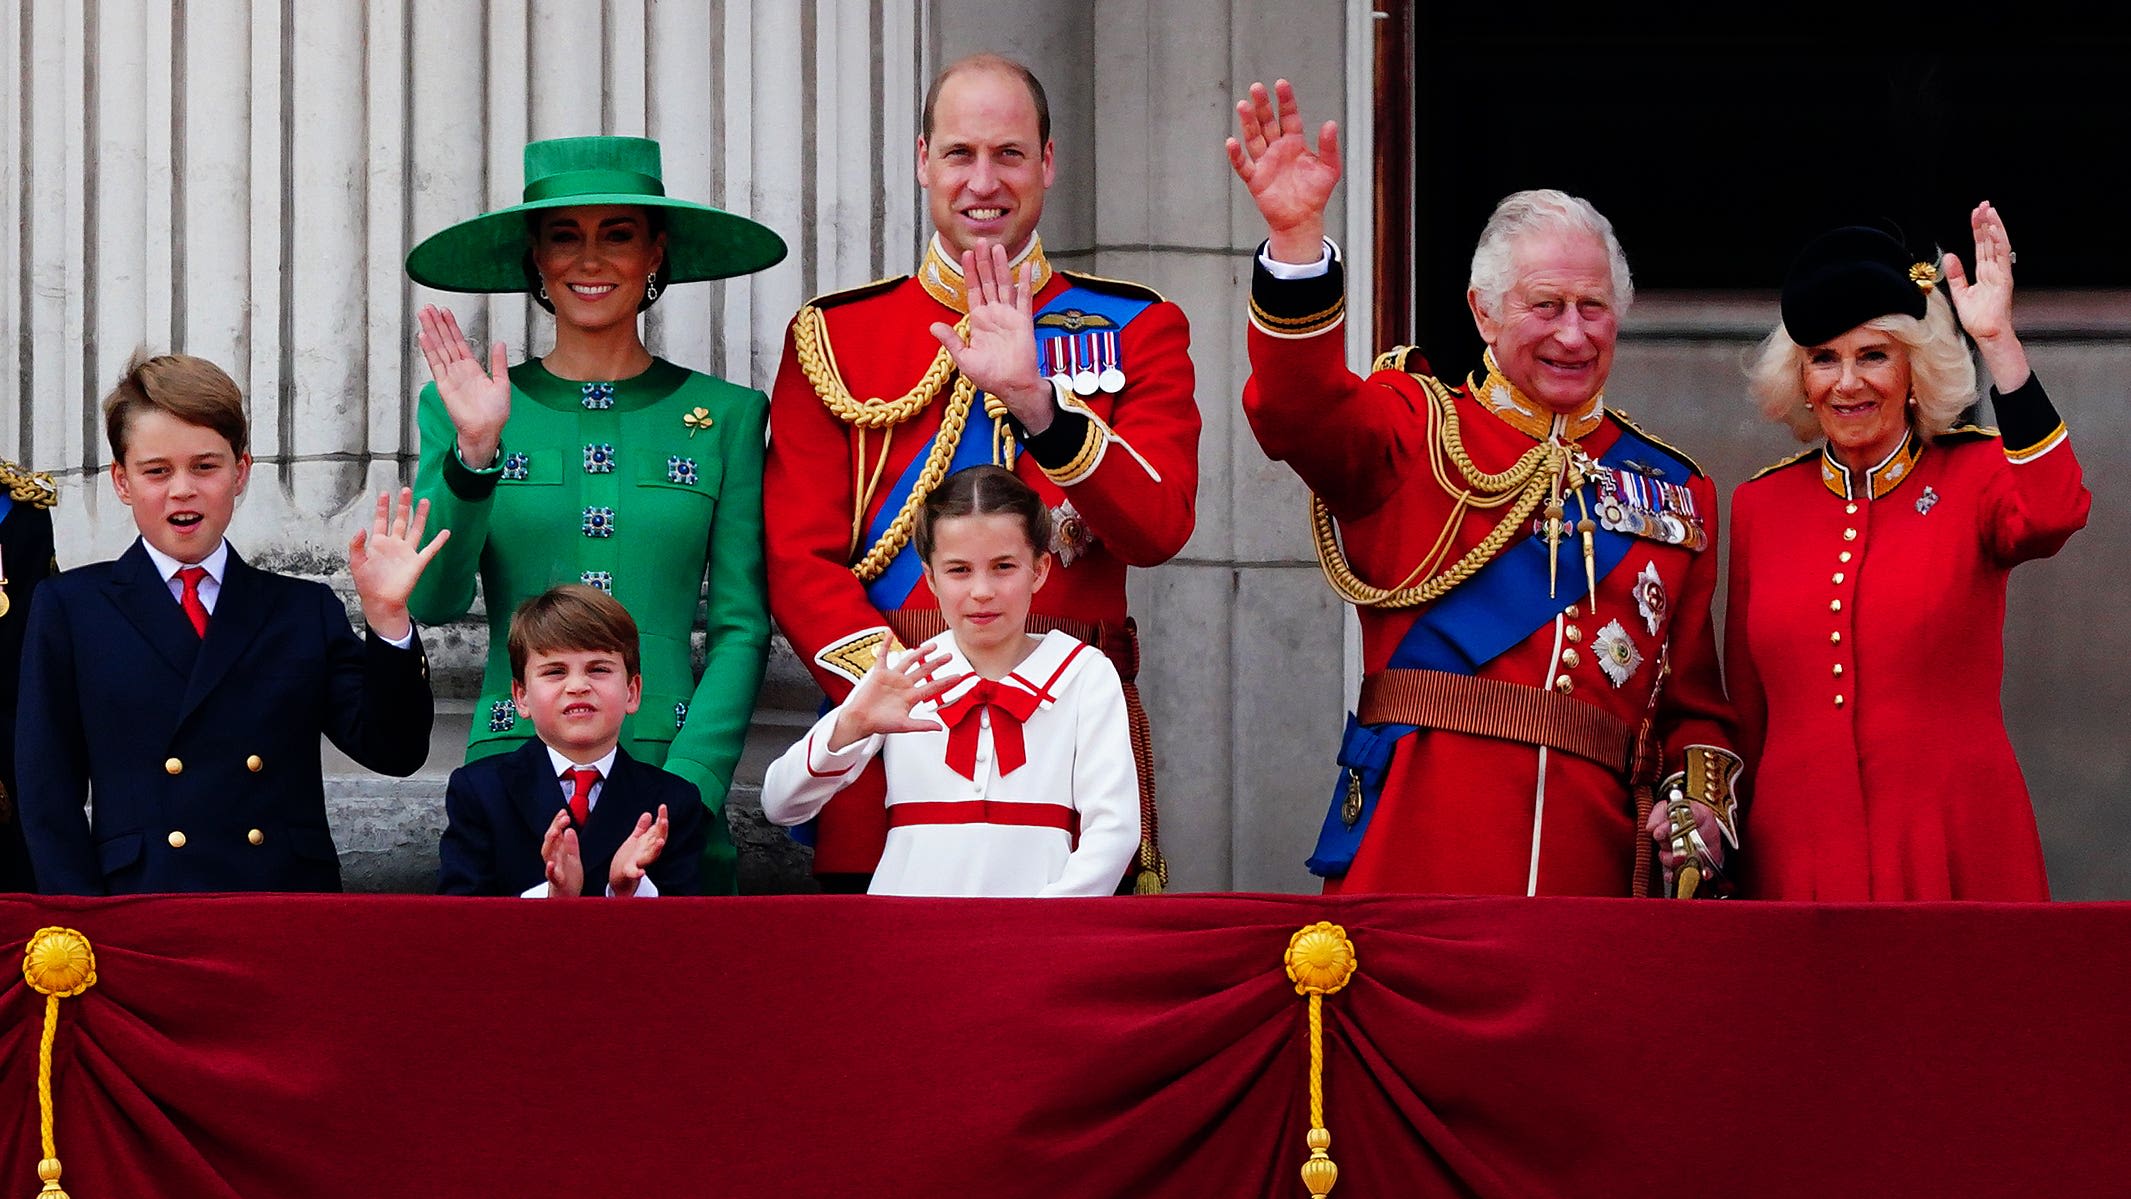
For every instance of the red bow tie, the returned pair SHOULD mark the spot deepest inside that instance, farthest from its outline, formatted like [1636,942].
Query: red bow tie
[1010,706]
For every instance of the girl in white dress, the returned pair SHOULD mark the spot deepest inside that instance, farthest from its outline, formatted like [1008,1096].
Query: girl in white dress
[1008,759]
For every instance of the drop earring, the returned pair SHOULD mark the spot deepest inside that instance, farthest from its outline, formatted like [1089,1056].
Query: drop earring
[651,287]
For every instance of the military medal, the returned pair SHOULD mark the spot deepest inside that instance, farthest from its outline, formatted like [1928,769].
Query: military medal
[4,604]
[1055,350]
[1084,378]
[1112,379]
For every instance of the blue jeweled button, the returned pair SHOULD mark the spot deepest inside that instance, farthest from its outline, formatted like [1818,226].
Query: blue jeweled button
[681,470]
[599,459]
[680,714]
[599,522]
[598,578]
[515,466]
[502,716]
[596,396]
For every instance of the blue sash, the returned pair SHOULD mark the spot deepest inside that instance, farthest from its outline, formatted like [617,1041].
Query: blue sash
[1488,615]
[6,502]
[1076,310]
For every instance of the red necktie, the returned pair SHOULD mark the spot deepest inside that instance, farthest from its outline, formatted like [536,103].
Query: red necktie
[194,609]
[1010,706]
[581,780]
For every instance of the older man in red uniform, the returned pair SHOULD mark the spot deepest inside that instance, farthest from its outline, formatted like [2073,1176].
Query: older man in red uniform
[1533,573]
[1082,385]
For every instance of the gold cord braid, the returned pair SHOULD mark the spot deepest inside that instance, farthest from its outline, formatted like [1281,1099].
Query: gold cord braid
[817,358]
[1525,485]
[897,535]
[58,963]
[810,340]
[1320,960]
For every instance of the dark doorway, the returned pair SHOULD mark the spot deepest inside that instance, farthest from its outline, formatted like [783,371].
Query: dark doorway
[1719,138]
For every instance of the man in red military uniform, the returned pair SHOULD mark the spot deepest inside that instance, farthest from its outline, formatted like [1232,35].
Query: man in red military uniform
[1533,573]
[1083,387]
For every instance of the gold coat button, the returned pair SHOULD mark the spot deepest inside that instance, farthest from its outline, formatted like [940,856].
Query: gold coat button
[254,765]
[1834,638]
[1834,605]
[176,839]
[1843,556]
[1838,579]
[255,837]
[1573,633]
[1849,534]
[1838,701]
[173,766]
[1572,613]
[1838,668]
[1571,659]
[1564,684]
[1851,509]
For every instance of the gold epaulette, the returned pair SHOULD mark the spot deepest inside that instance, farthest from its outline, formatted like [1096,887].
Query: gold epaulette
[34,488]
[863,291]
[1659,442]
[1116,287]
[1393,359]
[1968,432]
[1793,460]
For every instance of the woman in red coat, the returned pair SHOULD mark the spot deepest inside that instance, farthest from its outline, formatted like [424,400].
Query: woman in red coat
[1865,644]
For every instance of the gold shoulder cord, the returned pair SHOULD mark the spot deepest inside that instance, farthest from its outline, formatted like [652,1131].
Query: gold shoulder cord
[810,341]
[1524,487]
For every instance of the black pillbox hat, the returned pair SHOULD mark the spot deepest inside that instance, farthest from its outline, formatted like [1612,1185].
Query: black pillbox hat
[1848,276]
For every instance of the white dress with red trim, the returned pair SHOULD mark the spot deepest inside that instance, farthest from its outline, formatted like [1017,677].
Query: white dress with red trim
[1027,788]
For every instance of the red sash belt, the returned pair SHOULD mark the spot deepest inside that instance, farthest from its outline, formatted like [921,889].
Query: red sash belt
[985,811]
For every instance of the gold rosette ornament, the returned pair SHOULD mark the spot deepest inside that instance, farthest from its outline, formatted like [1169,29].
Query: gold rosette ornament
[58,963]
[1320,959]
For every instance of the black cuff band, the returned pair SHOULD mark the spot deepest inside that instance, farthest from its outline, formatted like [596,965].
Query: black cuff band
[466,482]
[2026,418]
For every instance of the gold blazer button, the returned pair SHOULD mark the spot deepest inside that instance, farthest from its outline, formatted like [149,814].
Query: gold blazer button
[176,839]
[173,766]
[254,765]
[255,837]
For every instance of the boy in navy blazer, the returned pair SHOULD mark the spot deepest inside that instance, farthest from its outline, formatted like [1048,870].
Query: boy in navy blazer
[571,805]
[182,691]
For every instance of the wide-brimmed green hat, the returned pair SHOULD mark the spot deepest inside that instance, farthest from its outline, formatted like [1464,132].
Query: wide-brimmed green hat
[487,253]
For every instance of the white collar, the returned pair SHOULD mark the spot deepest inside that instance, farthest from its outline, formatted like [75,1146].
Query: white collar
[563,766]
[167,567]
[1040,674]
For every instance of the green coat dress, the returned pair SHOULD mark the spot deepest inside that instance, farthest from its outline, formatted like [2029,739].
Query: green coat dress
[636,487]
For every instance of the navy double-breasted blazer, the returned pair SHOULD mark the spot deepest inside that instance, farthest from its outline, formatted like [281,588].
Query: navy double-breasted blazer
[498,809]
[200,756]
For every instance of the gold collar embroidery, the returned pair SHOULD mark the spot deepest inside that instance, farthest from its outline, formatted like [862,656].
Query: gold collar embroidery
[1501,397]
[941,276]
[1881,479]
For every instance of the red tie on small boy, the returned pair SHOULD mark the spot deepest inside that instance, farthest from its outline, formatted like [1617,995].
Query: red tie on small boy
[194,609]
[581,780]
[1010,706]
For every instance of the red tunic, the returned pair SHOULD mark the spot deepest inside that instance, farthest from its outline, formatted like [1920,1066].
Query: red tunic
[1133,484]
[1461,813]
[1882,768]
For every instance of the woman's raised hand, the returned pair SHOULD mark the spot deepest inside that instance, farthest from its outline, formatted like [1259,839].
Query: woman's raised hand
[1985,303]
[478,399]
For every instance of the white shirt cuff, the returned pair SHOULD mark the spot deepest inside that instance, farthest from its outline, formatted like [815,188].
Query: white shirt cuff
[645,889]
[406,642]
[1297,270]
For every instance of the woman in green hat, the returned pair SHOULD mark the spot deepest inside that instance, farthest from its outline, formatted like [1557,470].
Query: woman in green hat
[601,464]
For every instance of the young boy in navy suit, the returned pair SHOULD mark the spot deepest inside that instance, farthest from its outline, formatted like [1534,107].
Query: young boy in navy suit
[183,691]
[571,804]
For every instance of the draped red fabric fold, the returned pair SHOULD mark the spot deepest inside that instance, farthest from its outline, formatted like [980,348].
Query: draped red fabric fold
[348,1046]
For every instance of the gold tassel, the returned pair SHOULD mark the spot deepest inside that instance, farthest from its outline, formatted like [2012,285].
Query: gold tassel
[1320,959]
[58,963]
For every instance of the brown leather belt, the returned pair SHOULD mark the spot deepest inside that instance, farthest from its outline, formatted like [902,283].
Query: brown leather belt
[1460,703]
